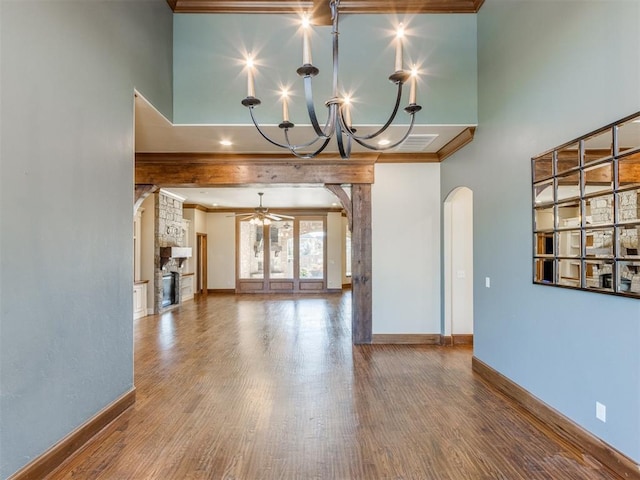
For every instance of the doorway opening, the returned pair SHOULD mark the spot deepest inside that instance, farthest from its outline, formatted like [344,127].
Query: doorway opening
[457,325]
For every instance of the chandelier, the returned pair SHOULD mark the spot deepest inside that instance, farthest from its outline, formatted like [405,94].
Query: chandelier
[338,121]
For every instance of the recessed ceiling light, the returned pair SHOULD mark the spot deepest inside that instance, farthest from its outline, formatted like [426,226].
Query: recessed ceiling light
[384,142]
[334,204]
[214,204]
[226,143]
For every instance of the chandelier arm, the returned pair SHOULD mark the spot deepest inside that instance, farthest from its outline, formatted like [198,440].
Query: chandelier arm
[264,135]
[387,147]
[311,110]
[293,147]
[345,153]
[307,156]
[390,120]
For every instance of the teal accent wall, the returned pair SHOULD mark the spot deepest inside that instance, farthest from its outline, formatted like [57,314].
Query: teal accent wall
[549,72]
[68,73]
[209,52]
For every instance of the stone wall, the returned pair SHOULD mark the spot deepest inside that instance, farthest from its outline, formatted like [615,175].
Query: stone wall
[629,211]
[601,212]
[169,232]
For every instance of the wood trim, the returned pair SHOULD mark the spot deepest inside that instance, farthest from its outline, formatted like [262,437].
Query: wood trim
[321,13]
[408,157]
[44,464]
[346,6]
[558,424]
[463,138]
[221,290]
[457,339]
[406,338]
[202,264]
[296,212]
[210,170]
[422,339]
[195,206]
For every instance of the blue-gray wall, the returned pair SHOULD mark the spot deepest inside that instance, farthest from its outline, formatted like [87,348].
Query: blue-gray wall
[549,72]
[68,73]
[209,52]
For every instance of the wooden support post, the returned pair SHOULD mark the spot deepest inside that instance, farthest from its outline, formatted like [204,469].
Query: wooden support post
[361,261]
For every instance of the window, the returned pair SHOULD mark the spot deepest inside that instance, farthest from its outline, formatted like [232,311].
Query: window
[586,211]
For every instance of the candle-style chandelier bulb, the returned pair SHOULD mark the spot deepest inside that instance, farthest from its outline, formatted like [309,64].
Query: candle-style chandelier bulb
[338,121]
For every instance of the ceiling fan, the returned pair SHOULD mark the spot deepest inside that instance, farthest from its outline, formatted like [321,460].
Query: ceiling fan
[261,215]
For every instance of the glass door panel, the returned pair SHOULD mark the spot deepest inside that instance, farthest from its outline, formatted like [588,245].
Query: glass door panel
[251,251]
[311,249]
[285,255]
[281,250]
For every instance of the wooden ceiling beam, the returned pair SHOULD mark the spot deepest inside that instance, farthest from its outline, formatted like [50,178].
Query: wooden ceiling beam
[189,170]
[346,6]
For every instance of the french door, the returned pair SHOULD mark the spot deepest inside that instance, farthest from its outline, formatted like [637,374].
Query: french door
[283,256]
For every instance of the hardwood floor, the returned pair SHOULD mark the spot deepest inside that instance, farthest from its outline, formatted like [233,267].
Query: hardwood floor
[264,387]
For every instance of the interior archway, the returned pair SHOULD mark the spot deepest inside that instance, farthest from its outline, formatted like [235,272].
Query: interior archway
[458,266]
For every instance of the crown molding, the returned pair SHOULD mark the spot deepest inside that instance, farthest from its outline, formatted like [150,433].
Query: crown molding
[346,6]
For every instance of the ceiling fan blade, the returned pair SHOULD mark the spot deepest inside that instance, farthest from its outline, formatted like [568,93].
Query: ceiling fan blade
[245,215]
[288,217]
[273,217]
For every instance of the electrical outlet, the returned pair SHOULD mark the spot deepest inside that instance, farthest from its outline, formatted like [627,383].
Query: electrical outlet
[487,282]
[601,412]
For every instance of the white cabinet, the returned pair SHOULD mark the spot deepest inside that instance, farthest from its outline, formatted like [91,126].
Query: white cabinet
[139,299]
[186,286]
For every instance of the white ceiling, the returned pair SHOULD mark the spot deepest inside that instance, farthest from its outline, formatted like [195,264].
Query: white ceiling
[154,133]
[292,196]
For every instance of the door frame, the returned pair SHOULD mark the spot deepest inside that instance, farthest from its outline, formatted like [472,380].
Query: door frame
[266,284]
[458,267]
[201,264]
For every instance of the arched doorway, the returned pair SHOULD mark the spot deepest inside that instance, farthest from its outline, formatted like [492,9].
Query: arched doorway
[457,325]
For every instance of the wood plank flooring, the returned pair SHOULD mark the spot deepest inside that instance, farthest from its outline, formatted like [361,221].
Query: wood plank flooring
[267,387]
